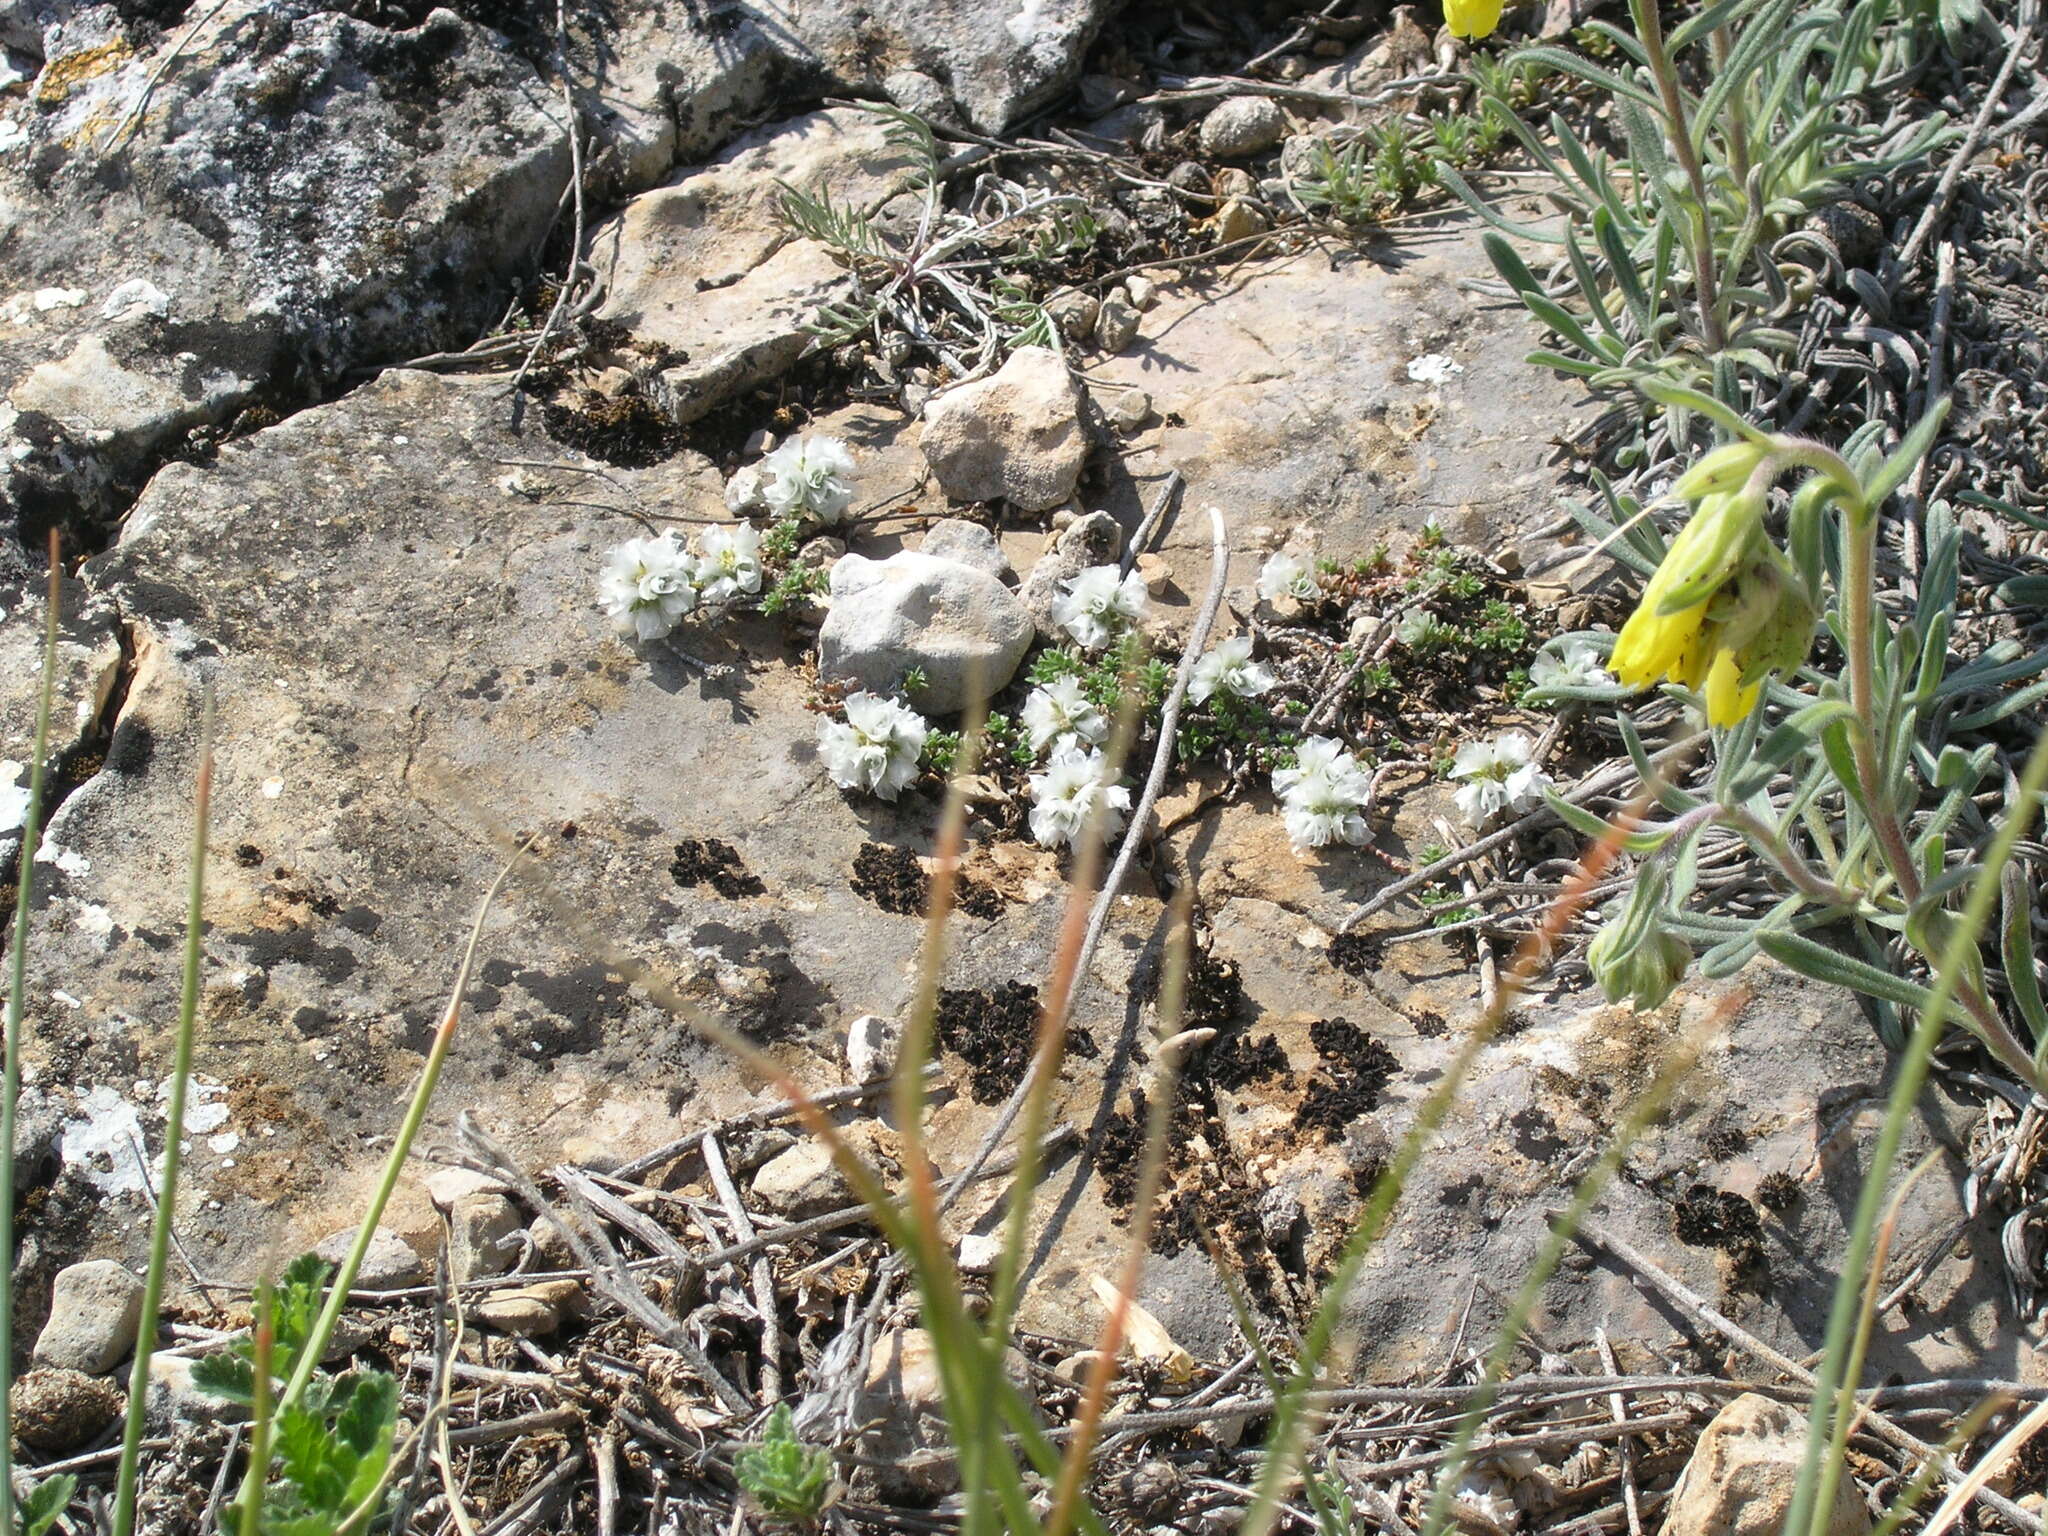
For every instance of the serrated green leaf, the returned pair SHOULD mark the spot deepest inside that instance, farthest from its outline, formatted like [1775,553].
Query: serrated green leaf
[229,1376]
[369,1409]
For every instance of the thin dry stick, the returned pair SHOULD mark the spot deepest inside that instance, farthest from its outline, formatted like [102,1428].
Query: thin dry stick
[1994,1462]
[1945,189]
[1098,919]
[1154,516]
[1631,1499]
[1598,1236]
[134,114]
[1602,781]
[762,1275]
[575,248]
[668,1152]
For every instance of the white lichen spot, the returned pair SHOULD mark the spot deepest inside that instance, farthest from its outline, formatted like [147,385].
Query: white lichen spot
[67,860]
[272,788]
[13,794]
[226,1141]
[136,296]
[99,1142]
[59,298]
[1434,368]
[206,1108]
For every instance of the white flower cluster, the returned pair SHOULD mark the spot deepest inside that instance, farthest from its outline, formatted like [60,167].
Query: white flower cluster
[1098,605]
[1073,791]
[1497,776]
[1286,575]
[1324,796]
[810,478]
[877,747]
[648,584]
[1577,664]
[1059,717]
[1229,669]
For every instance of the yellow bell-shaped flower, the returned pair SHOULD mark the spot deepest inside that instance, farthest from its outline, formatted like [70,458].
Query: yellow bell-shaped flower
[1720,615]
[1472,19]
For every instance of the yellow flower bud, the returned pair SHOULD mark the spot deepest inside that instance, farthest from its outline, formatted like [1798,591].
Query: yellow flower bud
[1726,470]
[1472,19]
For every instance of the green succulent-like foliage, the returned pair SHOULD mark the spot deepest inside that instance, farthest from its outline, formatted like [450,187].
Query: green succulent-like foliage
[784,1477]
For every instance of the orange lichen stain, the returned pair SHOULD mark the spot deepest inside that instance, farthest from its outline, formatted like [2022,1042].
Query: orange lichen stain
[60,77]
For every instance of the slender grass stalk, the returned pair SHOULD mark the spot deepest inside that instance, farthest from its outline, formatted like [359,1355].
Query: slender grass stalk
[1848,1413]
[1817,1475]
[17,995]
[1294,1409]
[1151,1169]
[1508,1337]
[1650,30]
[1925,1475]
[250,1520]
[174,1136]
[408,1132]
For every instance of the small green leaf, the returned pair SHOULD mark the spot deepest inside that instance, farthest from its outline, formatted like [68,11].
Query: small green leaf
[1911,450]
[1831,965]
[43,1503]
[229,1376]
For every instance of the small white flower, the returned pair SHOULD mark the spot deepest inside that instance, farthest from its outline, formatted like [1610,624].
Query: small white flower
[1061,717]
[876,748]
[808,477]
[13,796]
[1229,669]
[1497,776]
[730,562]
[1069,793]
[1098,603]
[646,586]
[1434,368]
[1287,575]
[1324,796]
[743,491]
[1576,665]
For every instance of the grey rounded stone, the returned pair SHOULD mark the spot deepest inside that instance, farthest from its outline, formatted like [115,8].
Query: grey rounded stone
[1116,326]
[175,1397]
[961,627]
[481,1232]
[389,1265]
[95,1315]
[1015,436]
[1243,125]
[955,538]
[1088,541]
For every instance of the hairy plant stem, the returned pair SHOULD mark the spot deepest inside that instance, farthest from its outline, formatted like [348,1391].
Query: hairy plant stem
[1650,31]
[1859,620]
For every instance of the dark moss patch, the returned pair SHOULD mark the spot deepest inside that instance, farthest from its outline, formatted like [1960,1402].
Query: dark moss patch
[992,1032]
[716,863]
[630,431]
[1355,954]
[1705,1217]
[1778,1193]
[1359,1070]
[895,881]
[891,878]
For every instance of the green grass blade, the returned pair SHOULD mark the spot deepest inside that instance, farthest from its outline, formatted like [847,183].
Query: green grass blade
[174,1132]
[1815,1492]
[17,994]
